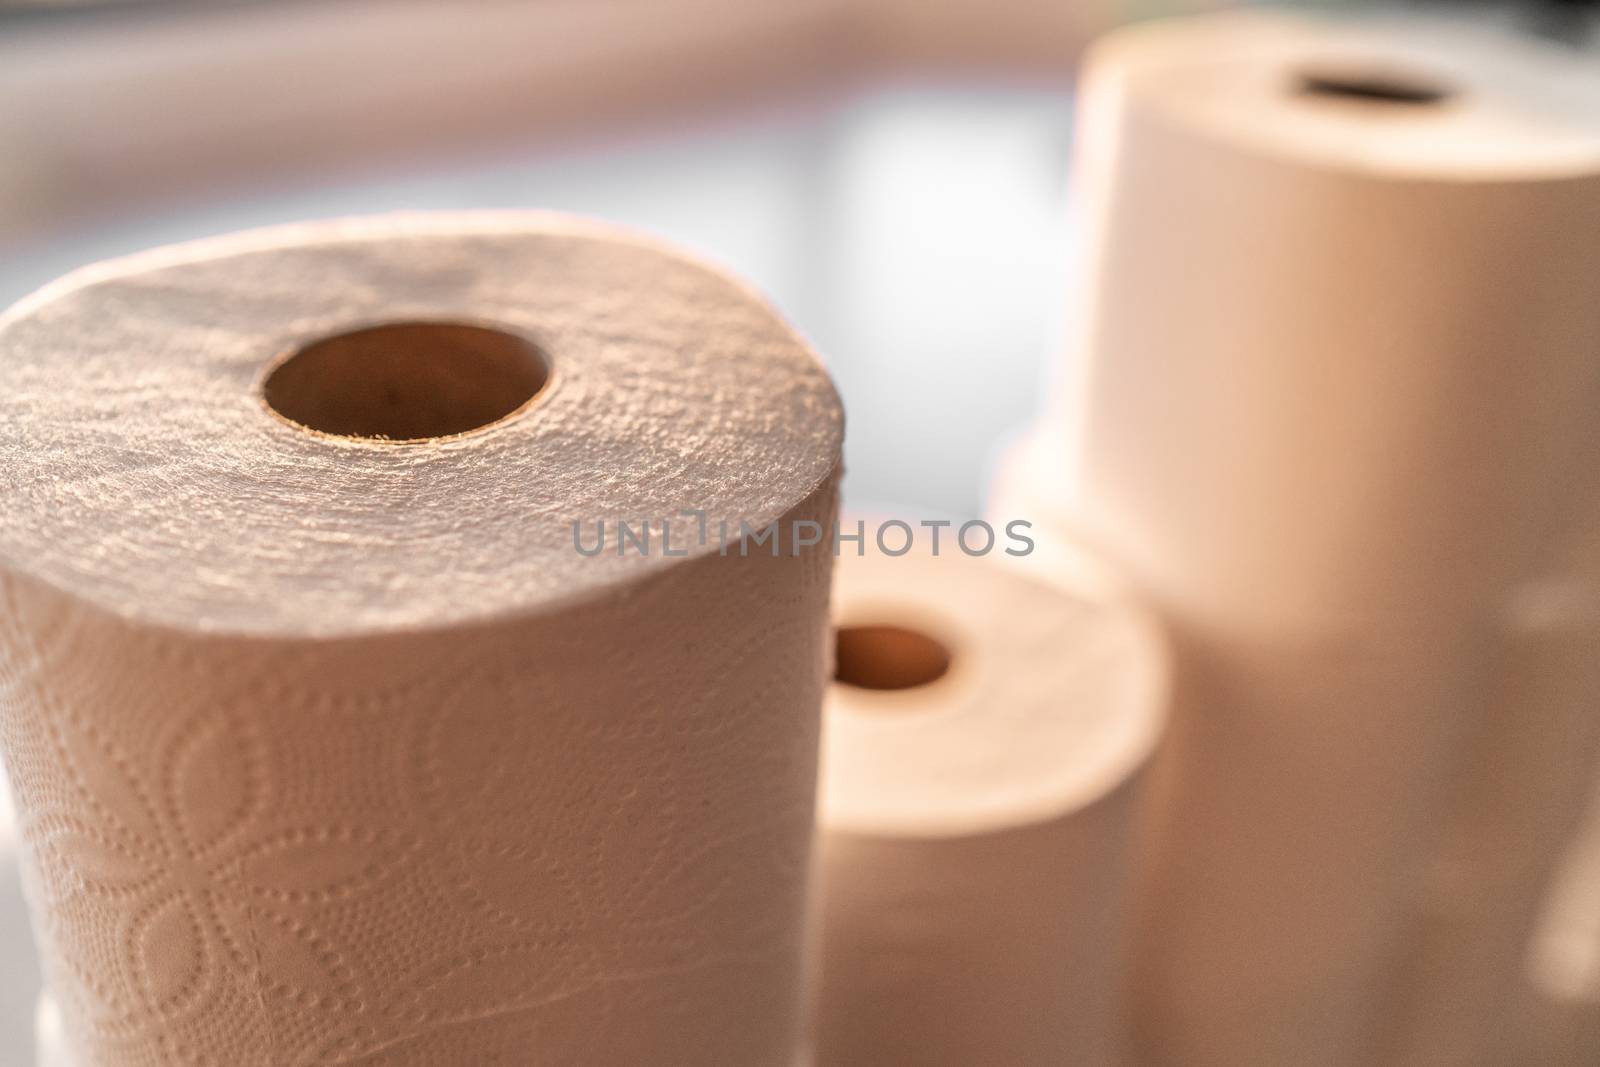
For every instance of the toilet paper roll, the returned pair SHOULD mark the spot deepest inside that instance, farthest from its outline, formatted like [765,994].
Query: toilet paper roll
[1295,808]
[1558,1033]
[330,742]
[1297,817]
[1338,335]
[983,757]
[1560,1020]
[1559,996]
[52,1044]
[1336,365]
[1510,805]
[1518,800]
[1514,808]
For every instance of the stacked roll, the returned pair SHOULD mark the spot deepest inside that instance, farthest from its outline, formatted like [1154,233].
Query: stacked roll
[1560,1019]
[332,739]
[984,762]
[1334,384]
[1555,1006]
[1515,805]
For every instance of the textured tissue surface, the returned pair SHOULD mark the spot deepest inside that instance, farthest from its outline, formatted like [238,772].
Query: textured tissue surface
[329,751]
[141,472]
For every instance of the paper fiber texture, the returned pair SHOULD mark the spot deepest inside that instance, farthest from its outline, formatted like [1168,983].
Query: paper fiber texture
[335,751]
[975,832]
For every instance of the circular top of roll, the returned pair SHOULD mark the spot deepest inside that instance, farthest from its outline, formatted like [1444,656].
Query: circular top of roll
[1051,698]
[1421,98]
[161,458]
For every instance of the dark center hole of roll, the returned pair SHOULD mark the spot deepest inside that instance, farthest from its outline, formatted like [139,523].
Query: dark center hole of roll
[1372,85]
[407,381]
[887,657]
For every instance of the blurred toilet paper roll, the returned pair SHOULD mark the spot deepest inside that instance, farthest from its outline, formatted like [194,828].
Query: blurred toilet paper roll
[1556,1032]
[1336,370]
[1339,324]
[332,740]
[984,749]
[1294,811]
[1561,998]
[1515,806]
[1517,802]
[1297,816]
[1560,993]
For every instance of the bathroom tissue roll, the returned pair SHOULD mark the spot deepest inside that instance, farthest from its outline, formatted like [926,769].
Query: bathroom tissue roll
[975,831]
[1518,801]
[337,749]
[1294,810]
[1560,1000]
[1514,808]
[1337,357]
[1339,325]
[1510,806]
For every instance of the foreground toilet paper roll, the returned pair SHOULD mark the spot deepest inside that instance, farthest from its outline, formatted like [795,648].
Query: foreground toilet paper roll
[51,1041]
[1338,336]
[19,981]
[984,750]
[331,742]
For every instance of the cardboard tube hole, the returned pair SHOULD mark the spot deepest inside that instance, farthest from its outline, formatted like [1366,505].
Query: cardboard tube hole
[887,657]
[1373,86]
[407,381]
